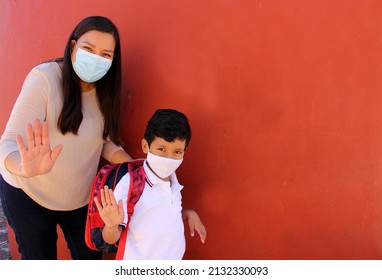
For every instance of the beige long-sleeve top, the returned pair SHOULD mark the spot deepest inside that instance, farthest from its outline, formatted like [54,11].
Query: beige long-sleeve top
[67,185]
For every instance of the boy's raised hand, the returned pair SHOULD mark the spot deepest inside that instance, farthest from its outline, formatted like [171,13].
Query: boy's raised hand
[110,212]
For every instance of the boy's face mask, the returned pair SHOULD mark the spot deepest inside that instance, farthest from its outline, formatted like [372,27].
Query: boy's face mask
[90,67]
[162,166]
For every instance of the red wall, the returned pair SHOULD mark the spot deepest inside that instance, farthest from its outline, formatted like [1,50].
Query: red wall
[284,98]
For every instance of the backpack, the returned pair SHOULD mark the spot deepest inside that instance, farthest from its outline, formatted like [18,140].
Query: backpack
[110,175]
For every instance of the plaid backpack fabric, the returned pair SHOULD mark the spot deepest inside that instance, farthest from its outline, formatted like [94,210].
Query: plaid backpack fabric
[110,175]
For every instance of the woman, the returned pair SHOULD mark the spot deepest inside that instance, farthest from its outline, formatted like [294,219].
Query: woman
[47,168]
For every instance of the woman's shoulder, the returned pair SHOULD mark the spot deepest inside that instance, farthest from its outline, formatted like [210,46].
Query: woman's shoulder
[48,67]
[50,70]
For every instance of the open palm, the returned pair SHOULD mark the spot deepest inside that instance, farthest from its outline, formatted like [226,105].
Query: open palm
[37,157]
[109,210]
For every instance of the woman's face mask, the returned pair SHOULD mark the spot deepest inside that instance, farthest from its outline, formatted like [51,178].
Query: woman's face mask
[90,67]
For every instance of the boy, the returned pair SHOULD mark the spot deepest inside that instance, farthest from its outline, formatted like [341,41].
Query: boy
[156,227]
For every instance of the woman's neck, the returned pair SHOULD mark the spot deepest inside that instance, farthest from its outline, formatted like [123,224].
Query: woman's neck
[86,87]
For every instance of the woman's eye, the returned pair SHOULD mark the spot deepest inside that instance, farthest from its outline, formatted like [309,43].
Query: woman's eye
[87,49]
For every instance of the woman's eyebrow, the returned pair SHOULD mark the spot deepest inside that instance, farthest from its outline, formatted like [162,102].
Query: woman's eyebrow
[93,46]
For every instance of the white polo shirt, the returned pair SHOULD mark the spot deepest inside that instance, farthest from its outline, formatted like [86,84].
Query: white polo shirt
[156,230]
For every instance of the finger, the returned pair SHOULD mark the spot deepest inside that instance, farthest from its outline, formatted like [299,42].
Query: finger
[112,197]
[98,205]
[45,134]
[20,145]
[202,233]
[107,195]
[103,201]
[192,232]
[37,132]
[29,136]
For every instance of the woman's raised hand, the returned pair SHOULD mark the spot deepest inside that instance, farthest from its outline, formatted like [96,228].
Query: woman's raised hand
[37,157]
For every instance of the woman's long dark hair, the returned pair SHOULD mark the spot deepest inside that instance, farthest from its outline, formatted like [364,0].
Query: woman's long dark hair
[108,87]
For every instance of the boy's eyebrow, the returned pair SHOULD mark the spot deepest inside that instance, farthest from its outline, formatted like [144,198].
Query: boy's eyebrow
[164,146]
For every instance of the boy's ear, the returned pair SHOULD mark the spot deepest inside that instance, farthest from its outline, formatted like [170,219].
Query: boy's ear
[145,146]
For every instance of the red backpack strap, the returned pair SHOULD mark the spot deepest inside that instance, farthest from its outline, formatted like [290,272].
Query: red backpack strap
[137,184]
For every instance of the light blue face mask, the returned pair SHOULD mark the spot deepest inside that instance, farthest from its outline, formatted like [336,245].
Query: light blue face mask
[90,67]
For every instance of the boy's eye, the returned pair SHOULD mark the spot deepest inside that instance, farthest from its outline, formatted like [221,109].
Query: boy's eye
[161,149]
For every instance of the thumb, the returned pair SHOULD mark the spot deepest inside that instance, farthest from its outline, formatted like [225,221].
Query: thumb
[56,152]
[120,206]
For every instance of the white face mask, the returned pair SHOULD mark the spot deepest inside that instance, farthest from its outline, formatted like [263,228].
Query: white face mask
[90,67]
[162,166]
